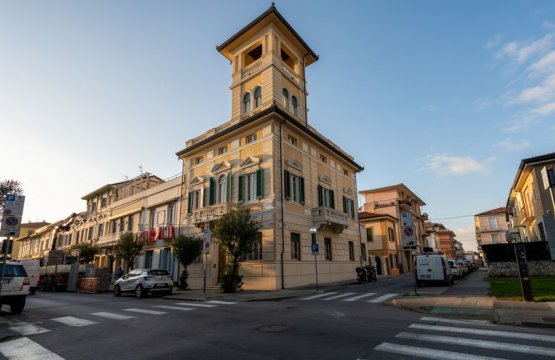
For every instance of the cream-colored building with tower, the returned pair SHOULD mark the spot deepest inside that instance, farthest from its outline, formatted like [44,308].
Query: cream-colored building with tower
[269,159]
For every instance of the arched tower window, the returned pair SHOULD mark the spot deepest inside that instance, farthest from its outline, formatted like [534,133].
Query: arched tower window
[285,100]
[295,105]
[257,96]
[246,103]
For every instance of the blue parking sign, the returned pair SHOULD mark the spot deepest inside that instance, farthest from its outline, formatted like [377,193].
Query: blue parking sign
[315,249]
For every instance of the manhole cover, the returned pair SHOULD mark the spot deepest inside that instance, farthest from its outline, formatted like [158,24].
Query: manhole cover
[273,328]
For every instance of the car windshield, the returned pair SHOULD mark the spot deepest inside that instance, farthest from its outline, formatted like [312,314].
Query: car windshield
[158,272]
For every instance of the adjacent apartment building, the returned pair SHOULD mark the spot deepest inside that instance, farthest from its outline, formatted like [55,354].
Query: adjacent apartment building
[267,158]
[531,202]
[404,207]
[491,227]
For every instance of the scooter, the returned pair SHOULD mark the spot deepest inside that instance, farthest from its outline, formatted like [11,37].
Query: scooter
[366,274]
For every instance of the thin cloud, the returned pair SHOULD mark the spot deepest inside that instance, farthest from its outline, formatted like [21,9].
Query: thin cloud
[544,110]
[520,52]
[544,65]
[513,146]
[539,93]
[457,165]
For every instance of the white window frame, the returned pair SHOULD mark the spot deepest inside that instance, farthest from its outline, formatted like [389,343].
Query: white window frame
[221,193]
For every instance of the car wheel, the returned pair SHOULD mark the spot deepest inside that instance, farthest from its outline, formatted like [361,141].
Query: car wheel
[117,291]
[139,291]
[17,305]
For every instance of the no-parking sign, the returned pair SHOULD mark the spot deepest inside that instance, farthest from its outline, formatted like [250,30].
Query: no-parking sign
[11,216]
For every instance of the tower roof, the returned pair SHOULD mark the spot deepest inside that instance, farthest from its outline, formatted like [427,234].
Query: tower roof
[269,16]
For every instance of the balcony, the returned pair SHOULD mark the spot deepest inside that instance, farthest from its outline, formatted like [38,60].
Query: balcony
[486,228]
[326,217]
[523,216]
[212,212]
[404,203]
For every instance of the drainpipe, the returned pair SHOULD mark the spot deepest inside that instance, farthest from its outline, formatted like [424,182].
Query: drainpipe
[282,201]
[305,94]
[357,221]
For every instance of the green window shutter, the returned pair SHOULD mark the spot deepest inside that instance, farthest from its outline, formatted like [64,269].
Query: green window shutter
[287,185]
[301,190]
[228,190]
[332,199]
[344,204]
[190,204]
[369,234]
[320,196]
[260,184]
[212,192]
[241,188]
[352,203]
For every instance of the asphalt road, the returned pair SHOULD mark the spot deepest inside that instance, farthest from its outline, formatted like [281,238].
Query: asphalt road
[351,322]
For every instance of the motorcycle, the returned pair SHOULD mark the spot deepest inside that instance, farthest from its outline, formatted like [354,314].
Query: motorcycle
[366,274]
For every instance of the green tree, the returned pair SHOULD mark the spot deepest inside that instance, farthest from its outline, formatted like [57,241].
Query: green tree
[236,232]
[186,249]
[86,252]
[129,246]
[9,187]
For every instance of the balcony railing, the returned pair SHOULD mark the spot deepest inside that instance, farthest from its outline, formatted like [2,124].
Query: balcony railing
[488,228]
[336,220]
[212,212]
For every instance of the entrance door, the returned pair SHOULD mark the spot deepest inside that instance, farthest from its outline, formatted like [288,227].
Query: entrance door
[221,262]
[379,265]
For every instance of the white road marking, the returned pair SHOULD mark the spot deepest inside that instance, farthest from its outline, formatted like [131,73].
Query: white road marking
[219,302]
[508,334]
[173,307]
[318,296]
[414,351]
[24,348]
[26,329]
[73,321]
[455,321]
[145,311]
[359,297]
[494,345]
[196,304]
[114,316]
[338,296]
[382,298]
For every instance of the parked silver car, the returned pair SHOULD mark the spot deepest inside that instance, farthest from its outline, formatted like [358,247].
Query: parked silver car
[144,281]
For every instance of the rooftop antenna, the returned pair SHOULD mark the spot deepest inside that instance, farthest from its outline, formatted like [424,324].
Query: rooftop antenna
[126,177]
[141,169]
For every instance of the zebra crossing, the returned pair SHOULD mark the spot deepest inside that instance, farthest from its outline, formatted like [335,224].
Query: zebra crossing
[27,329]
[370,297]
[437,338]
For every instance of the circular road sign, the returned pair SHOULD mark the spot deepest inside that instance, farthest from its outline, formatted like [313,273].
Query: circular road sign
[408,231]
[12,221]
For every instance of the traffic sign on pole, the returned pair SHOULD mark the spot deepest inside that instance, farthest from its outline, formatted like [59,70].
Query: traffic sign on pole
[12,214]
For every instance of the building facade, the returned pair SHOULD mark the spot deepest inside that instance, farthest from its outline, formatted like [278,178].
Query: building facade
[380,240]
[270,160]
[491,227]
[399,202]
[531,202]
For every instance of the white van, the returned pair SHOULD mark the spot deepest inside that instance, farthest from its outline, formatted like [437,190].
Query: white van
[432,268]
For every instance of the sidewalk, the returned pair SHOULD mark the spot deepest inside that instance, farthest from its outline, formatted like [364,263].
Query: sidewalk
[470,299]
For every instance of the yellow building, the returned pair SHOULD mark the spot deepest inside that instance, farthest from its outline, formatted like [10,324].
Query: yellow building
[491,227]
[531,202]
[25,230]
[269,159]
[399,202]
[380,241]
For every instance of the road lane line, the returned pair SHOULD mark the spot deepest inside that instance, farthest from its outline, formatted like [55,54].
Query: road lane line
[73,321]
[508,334]
[145,311]
[318,296]
[26,329]
[174,307]
[24,348]
[220,302]
[114,316]
[494,345]
[382,298]
[414,351]
[354,298]
[338,296]
[196,304]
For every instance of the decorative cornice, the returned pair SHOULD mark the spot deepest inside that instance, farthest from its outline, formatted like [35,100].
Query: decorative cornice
[294,164]
[325,179]
[250,161]
[197,180]
[221,167]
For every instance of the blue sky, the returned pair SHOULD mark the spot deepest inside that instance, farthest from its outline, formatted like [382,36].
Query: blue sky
[446,97]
